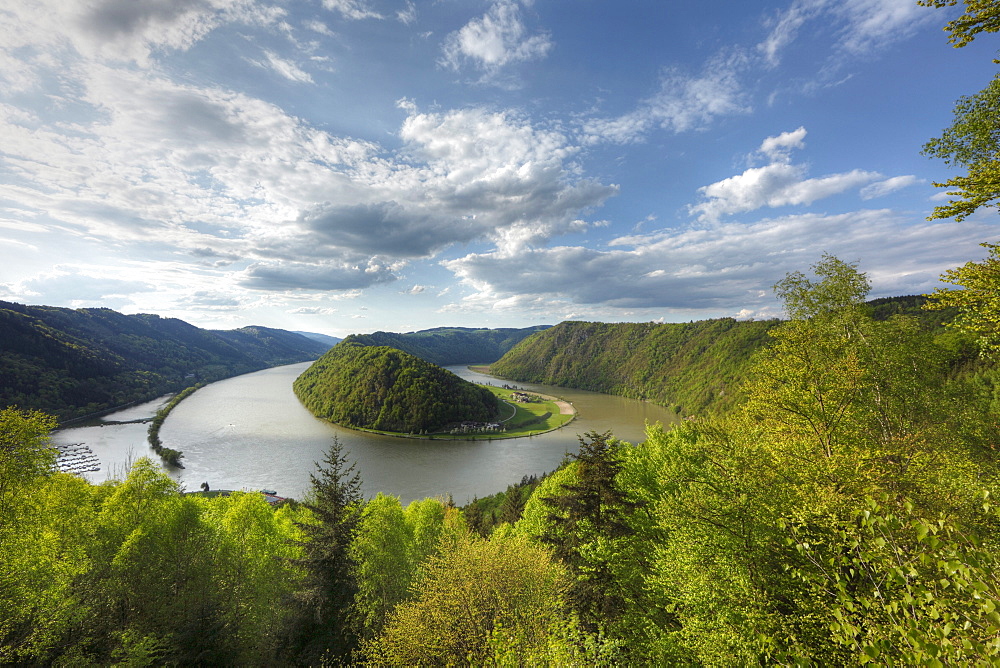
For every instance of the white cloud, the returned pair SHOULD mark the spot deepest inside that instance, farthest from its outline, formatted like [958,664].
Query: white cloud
[229,180]
[124,30]
[286,68]
[888,186]
[352,9]
[778,149]
[311,310]
[497,39]
[772,186]
[777,184]
[725,269]
[683,103]
[858,26]
[408,14]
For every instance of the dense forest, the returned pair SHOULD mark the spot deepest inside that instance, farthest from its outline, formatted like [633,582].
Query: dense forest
[73,362]
[451,345]
[382,388]
[692,367]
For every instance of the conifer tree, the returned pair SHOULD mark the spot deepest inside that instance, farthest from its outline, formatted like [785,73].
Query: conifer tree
[326,627]
[594,510]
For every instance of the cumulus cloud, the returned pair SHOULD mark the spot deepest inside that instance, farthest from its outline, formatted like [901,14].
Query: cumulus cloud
[720,269]
[681,104]
[125,30]
[778,149]
[777,184]
[495,40]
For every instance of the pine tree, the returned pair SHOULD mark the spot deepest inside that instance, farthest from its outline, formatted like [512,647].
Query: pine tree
[326,627]
[596,509]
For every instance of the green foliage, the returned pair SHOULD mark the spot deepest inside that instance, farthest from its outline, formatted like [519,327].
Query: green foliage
[450,345]
[168,455]
[841,287]
[135,572]
[894,586]
[325,625]
[474,600]
[485,514]
[386,389]
[592,510]
[973,142]
[980,16]
[25,455]
[977,301]
[73,362]
[694,366]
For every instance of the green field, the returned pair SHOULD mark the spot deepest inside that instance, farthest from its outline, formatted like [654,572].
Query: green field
[525,419]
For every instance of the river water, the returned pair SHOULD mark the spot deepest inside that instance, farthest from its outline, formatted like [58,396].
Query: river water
[251,432]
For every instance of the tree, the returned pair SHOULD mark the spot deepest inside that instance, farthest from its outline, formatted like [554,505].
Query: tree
[980,16]
[384,565]
[326,628]
[973,140]
[978,301]
[25,454]
[841,287]
[593,511]
[474,595]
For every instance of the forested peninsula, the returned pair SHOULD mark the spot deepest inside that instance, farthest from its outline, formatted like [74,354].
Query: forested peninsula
[385,389]
[693,367]
[74,362]
[451,345]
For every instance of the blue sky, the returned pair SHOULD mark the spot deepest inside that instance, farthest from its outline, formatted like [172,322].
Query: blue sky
[346,166]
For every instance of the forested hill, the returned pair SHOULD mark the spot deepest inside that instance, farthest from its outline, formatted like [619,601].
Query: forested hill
[72,362]
[692,367]
[687,365]
[382,388]
[451,345]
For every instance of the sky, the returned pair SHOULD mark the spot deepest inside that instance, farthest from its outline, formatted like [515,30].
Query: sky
[347,166]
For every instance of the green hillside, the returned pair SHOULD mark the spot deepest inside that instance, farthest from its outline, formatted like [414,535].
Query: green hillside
[72,362]
[451,345]
[688,365]
[382,388]
[694,367]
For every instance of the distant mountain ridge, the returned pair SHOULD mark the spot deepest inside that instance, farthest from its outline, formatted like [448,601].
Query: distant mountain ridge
[325,339]
[451,345]
[73,362]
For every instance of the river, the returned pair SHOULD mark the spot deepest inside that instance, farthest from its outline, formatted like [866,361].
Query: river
[251,432]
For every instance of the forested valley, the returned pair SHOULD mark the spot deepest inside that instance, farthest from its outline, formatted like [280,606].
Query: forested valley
[841,513]
[74,362]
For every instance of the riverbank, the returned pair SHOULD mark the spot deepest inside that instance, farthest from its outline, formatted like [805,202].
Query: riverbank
[168,455]
[538,415]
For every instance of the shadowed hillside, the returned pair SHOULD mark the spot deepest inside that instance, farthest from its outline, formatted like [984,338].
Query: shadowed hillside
[72,362]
